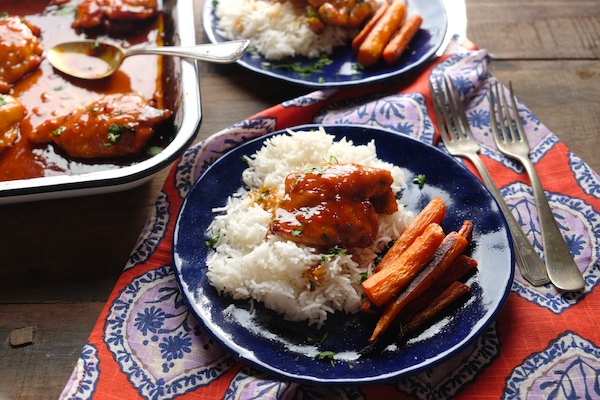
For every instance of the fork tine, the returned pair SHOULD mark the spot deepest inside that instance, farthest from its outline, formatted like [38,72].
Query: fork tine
[517,117]
[435,99]
[493,121]
[506,119]
[511,127]
[458,111]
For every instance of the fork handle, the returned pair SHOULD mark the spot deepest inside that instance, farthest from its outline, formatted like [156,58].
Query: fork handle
[562,269]
[529,262]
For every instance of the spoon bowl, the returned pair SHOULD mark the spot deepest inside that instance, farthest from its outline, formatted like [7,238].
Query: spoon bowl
[93,59]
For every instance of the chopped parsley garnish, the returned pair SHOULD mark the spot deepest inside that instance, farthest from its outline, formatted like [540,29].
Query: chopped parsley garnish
[65,11]
[326,356]
[296,232]
[2,99]
[263,195]
[154,150]
[4,15]
[363,276]
[58,131]
[337,250]
[315,170]
[213,240]
[302,70]
[419,180]
[312,339]
[115,131]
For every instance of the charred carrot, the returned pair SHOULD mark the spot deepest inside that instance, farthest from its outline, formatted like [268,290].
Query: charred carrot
[369,308]
[383,285]
[371,49]
[448,296]
[396,46]
[466,230]
[451,247]
[362,35]
[433,212]
[459,268]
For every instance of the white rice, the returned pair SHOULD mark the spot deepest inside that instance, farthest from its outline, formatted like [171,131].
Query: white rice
[276,30]
[249,262]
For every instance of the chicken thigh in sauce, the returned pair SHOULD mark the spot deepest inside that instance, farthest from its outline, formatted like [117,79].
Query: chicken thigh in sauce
[20,50]
[114,126]
[94,13]
[334,205]
[11,114]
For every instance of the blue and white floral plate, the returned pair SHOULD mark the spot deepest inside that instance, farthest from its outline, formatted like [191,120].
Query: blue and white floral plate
[266,341]
[343,70]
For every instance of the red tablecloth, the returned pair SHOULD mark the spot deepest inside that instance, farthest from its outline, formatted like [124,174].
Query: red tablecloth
[544,344]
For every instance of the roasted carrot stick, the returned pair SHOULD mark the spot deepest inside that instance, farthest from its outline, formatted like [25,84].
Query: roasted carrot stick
[362,35]
[459,268]
[433,212]
[396,46]
[369,308]
[466,230]
[383,285]
[448,296]
[452,246]
[371,49]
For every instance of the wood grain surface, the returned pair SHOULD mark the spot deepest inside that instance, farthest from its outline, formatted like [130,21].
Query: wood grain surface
[60,259]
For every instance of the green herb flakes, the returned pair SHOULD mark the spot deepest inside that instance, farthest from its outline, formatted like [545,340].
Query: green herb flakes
[312,339]
[326,356]
[58,131]
[213,240]
[419,180]
[115,131]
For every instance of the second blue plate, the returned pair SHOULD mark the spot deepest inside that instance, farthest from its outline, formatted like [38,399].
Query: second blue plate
[342,71]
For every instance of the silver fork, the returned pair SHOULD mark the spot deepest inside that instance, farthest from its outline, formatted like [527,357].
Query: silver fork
[512,141]
[458,139]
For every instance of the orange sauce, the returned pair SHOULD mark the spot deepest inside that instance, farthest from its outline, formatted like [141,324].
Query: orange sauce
[47,93]
[83,63]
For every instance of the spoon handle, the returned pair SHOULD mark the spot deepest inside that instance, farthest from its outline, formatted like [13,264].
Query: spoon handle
[221,53]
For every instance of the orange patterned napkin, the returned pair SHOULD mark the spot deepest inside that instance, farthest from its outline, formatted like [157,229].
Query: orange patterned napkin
[544,344]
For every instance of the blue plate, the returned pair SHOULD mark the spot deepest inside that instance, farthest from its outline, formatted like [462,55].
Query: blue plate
[342,71]
[263,339]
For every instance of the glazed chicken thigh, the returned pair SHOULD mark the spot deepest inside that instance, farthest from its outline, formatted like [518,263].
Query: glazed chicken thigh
[11,114]
[114,126]
[20,50]
[334,204]
[93,13]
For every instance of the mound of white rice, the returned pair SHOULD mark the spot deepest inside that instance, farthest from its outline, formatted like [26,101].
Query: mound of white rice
[249,262]
[276,30]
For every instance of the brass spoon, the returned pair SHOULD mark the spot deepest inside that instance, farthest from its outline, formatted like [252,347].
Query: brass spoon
[92,59]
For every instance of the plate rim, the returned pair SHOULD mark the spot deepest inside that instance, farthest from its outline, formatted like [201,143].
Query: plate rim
[240,352]
[211,33]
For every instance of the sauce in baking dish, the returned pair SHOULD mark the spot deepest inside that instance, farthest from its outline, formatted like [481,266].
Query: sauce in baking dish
[47,93]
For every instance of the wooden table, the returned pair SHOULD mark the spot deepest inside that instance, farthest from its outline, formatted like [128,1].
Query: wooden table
[60,259]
